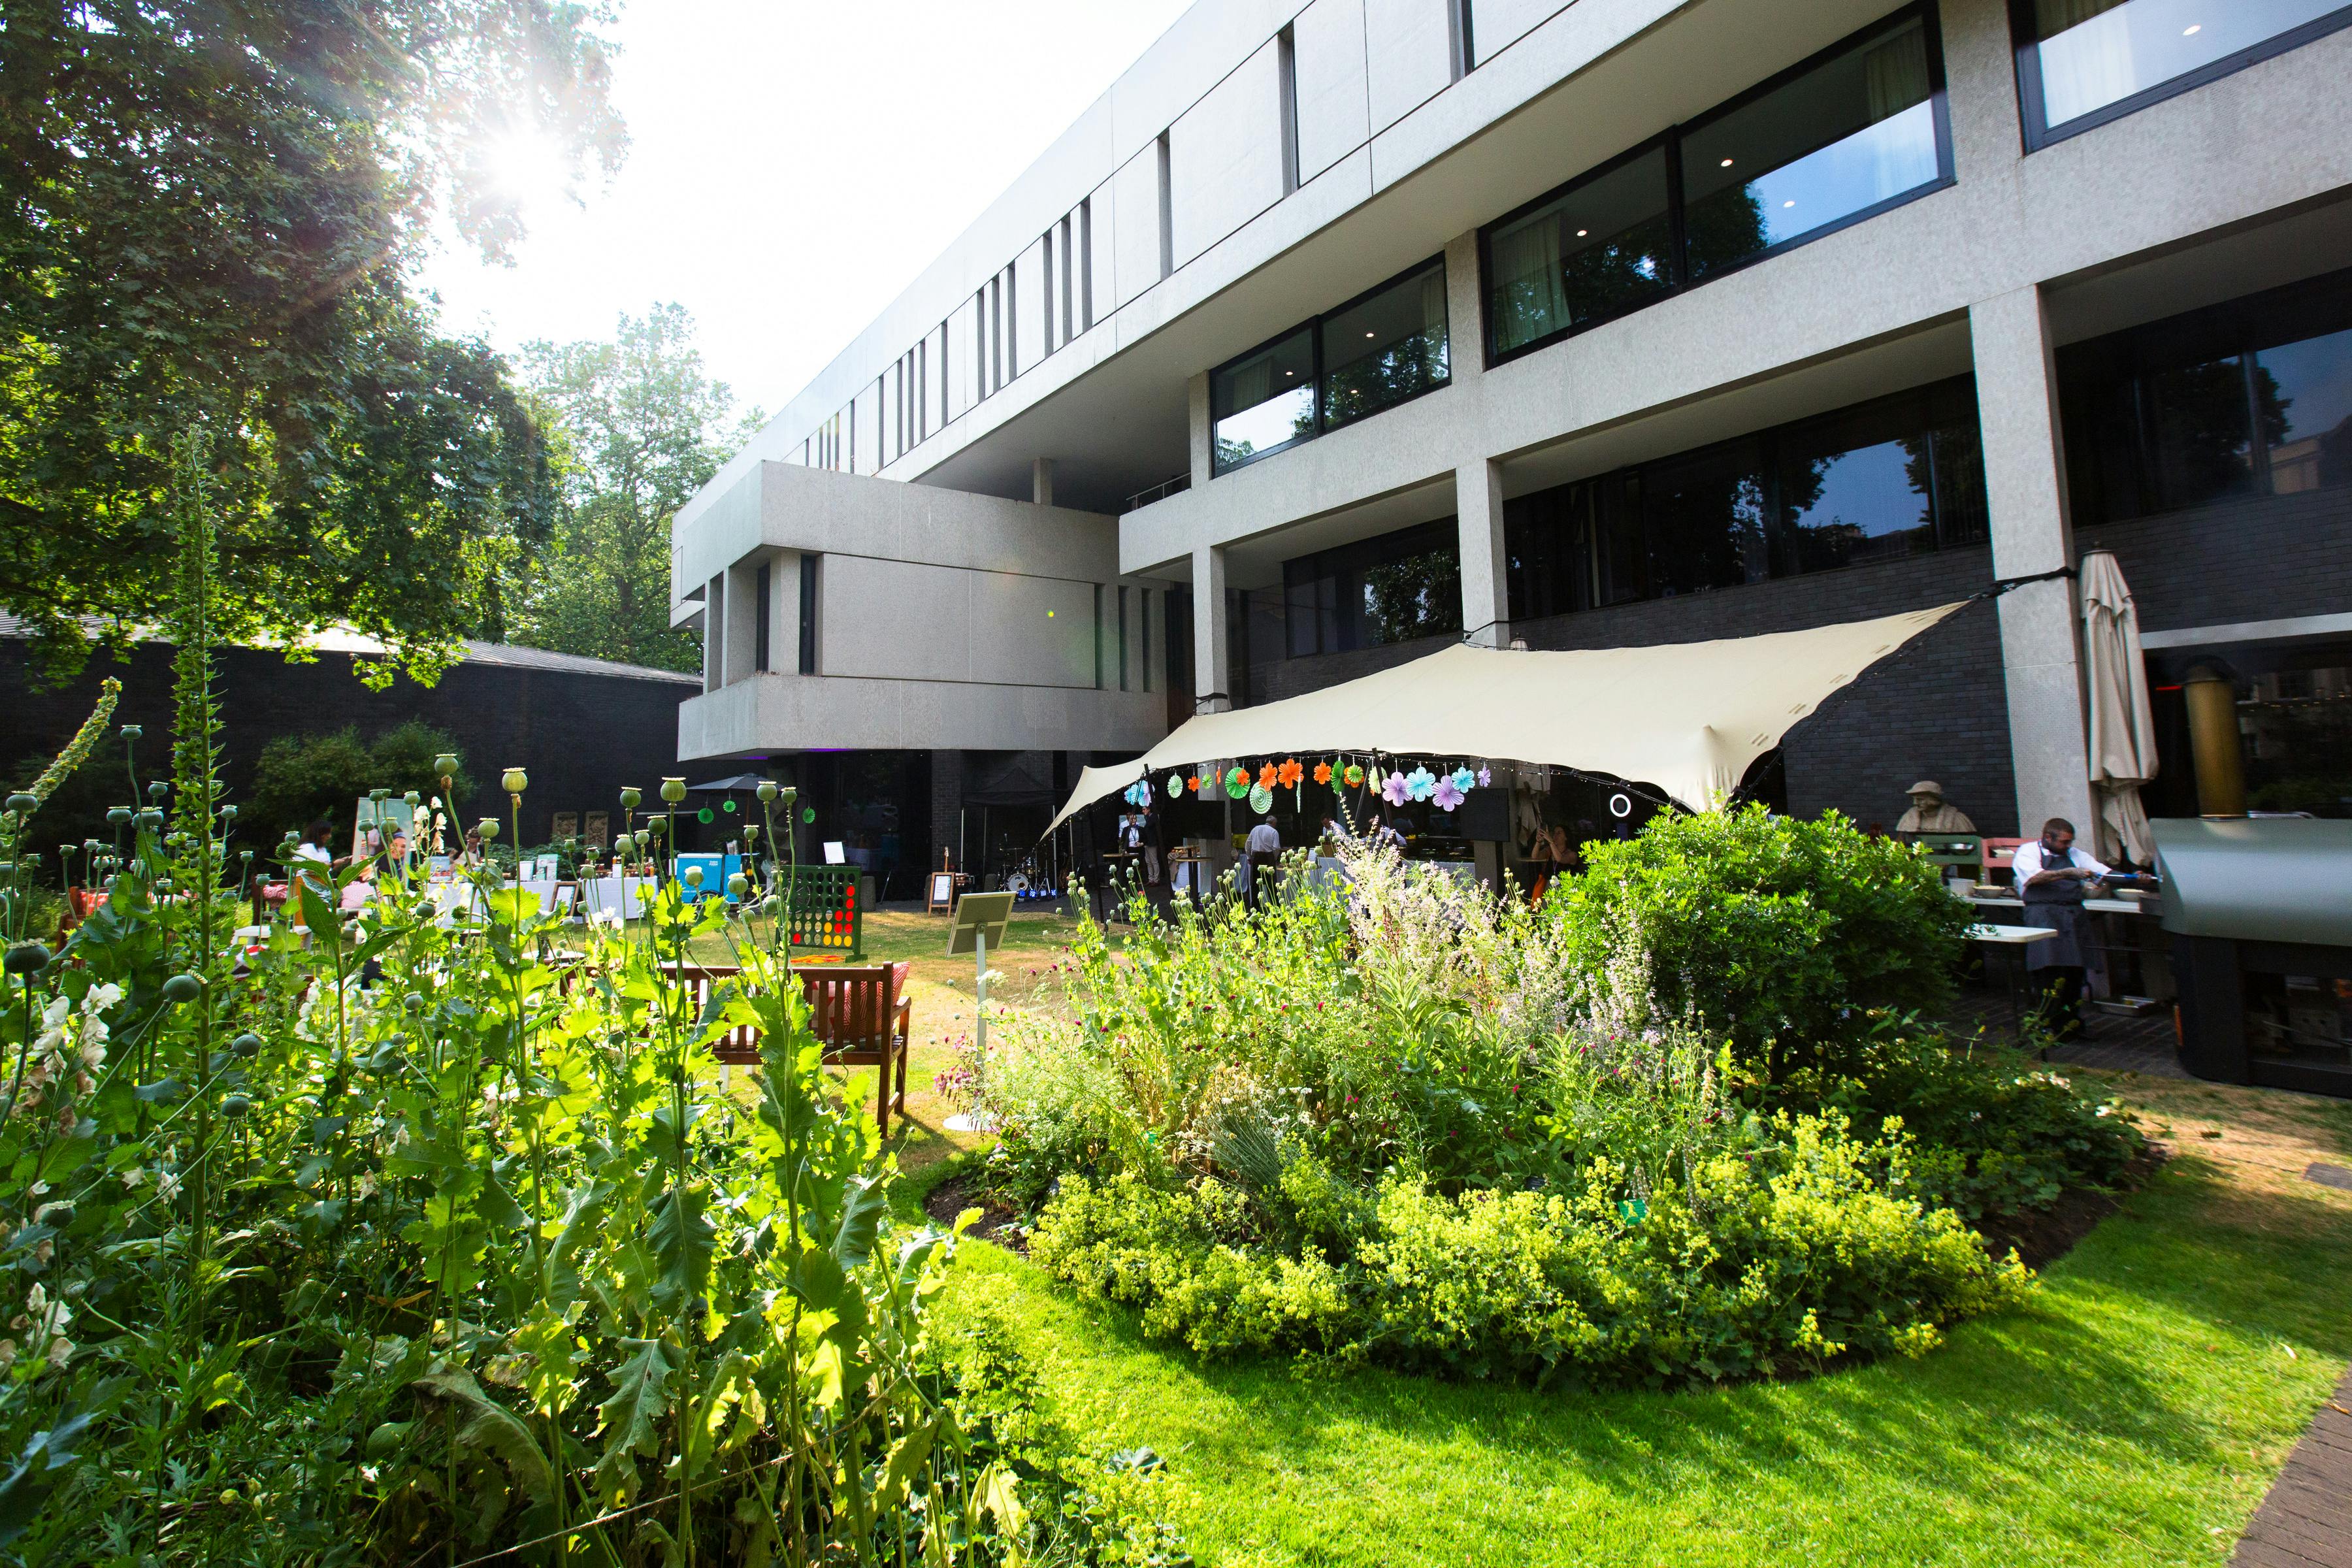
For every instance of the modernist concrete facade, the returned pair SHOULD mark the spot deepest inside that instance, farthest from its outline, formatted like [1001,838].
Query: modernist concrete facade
[1268,162]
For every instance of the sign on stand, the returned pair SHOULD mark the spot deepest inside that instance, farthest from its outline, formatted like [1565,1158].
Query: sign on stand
[980,920]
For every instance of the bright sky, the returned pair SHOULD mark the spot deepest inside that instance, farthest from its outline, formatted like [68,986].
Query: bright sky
[792,167]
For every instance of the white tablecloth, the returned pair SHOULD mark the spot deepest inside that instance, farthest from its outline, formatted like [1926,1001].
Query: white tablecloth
[625,894]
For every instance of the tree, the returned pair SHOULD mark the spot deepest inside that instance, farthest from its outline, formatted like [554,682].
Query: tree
[641,428]
[298,779]
[206,212]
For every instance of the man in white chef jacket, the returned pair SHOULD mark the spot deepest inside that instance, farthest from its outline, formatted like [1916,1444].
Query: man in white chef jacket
[2052,877]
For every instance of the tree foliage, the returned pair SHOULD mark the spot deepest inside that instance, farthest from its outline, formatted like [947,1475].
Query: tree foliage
[642,427]
[298,779]
[206,212]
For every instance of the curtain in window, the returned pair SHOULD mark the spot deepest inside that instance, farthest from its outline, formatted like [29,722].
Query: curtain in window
[2086,62]
[1895,73]
[1530,298]
[1251,385]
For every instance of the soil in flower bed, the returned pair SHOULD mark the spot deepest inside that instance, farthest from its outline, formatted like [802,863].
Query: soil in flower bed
[2044,1235]
[999,1220]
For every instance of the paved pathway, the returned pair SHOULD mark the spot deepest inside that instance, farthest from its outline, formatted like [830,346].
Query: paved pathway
[2306,1519]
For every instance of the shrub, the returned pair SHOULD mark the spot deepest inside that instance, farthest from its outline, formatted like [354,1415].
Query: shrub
[1773,931]
[298,779]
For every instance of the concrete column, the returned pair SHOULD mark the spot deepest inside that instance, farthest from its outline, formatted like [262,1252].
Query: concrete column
[2025,491]
[742,619]
[1204,448]
[947,807]
[1465,354]
[1212,631]
[1041,480]
[1486,583]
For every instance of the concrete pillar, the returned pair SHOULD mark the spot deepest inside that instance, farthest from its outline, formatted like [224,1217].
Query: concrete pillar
[1041,480]
[714,633]
[1211,632]
[1485,582]
[1204,448]
[741,642]
[2025,491]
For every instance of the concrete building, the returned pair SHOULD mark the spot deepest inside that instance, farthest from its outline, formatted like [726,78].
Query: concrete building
[1336,331]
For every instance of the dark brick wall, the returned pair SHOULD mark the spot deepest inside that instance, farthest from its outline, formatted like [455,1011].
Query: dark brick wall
[580,736]
[2255,560]
[1936,709]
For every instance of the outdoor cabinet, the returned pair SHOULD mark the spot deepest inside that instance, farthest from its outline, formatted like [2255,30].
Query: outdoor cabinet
[2260,926]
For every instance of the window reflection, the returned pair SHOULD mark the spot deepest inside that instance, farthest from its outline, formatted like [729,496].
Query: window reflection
[1385,348]
[1600,249]
[1392,588]
[1882,479]
[2308,421]
[1264,400]
[1852,132]
[2090,55]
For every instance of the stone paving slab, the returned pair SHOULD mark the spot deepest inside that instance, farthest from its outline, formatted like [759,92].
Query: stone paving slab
[2306,1519]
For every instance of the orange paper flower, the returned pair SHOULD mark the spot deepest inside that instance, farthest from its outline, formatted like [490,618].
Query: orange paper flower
[1322,772]
[1265,777]
[1290,773]
[1194,783]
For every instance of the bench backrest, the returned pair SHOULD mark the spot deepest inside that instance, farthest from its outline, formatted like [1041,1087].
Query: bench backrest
[852,1004]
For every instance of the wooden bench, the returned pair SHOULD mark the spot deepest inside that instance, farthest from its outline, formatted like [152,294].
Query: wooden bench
[859,1013]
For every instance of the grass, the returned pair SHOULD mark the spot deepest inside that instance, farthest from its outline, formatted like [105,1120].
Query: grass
[2133,1410]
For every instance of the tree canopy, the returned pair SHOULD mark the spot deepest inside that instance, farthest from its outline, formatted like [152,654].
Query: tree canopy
[641,426]
[207,209]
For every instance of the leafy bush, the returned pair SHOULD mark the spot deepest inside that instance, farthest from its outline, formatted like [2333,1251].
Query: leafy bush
[1401,1119]
[472,1259]
[1772,930]
[298,779]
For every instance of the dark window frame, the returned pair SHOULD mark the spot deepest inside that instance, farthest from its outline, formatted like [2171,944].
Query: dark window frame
[1670,141]
[1313,327]
[2033,117]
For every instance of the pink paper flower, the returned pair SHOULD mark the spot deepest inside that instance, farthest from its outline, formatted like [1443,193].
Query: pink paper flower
[1395,789]
[1447,795]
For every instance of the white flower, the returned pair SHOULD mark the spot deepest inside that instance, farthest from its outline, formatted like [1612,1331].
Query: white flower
[102,997]
[7,1352]
[59,1348]
[54,1016]
[167,1185]
[132,1177]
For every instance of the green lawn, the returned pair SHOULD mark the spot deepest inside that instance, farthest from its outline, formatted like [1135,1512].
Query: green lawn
[2133,1412]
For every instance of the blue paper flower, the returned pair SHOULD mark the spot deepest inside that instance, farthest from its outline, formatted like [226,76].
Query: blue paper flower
[1419,783]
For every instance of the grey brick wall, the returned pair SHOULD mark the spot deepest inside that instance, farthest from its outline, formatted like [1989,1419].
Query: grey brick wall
[1936,709]
[2256,560]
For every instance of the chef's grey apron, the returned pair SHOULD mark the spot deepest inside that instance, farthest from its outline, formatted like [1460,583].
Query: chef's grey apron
[2058,906]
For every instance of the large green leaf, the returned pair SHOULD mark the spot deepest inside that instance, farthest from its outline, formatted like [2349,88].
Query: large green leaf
[631,1418]
[681,1234]
[863,1204]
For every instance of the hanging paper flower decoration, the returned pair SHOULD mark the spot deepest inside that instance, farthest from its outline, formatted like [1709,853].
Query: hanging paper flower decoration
[1322,772]
[1261,799]
[1463,779]
[1265,777]
[1485,778]
[1448,792]
[1194,783]
[1139,793]
[1237,783]
[1175,786]
[1354,776]
[1419,783]
[1395,789]
[1289,774]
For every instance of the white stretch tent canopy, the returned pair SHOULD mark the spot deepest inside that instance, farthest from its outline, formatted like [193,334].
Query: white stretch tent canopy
[1689,718]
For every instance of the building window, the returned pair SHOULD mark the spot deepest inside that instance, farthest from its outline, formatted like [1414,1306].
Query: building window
[1384,348]
[762,612]
[1264,400]
[808,613]
[2252,397]
[1845,135]
[2081,63]
[1380,348]
[1392,588]
[1893,478]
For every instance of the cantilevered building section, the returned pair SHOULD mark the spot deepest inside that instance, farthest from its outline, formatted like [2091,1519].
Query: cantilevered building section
[1336,333]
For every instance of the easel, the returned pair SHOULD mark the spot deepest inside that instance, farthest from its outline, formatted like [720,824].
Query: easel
[980,918]
[942,886]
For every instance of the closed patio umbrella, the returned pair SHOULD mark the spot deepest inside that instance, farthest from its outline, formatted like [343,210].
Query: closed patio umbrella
[2122,727]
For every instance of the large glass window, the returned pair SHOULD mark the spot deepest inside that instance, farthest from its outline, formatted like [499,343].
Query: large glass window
[1848,133]
[1392,588]
[1874,482]
[1385,348]
[1838,140]
[1372,353]
[2252,397]
[2083,62]
[1265,400]
[1600,248]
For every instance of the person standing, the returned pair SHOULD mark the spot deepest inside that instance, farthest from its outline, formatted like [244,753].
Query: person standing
[1262,849]
[1147,839]
[2053,878]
